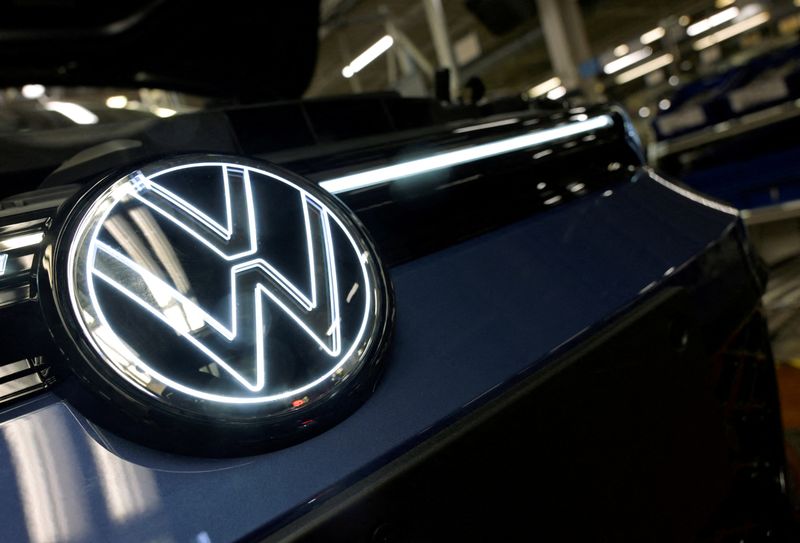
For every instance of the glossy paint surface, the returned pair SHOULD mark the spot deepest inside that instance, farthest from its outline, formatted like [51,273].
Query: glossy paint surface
[470,319]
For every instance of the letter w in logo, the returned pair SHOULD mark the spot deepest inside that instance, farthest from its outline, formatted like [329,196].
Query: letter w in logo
[253,280]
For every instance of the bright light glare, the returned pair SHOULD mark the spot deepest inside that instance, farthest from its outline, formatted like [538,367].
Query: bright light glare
[164,112]
[31,92]
[113,268]
[731,31]
[544,87]
[373,52]
[622,49]
[557,93]
[484,126]
[644,69]
[74,112]
[20,241]
[116,102]
[704,25]
[652,35]
[440,161]
[628,60]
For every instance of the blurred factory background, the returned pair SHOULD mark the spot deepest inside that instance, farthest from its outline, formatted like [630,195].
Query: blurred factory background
[712,87]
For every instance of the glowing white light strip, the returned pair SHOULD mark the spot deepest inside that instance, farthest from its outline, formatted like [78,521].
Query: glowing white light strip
[544,87]
[484,126]
[644,69]
[447,159]
[731,31]
[74,112]
[20,241]
[33,91]
[164,112]
[147,370]
[693,195]
[557,93]
[704,25]
[226,233]
[652,35]
[116,102]
[374,51]
[628,60]
[3,262]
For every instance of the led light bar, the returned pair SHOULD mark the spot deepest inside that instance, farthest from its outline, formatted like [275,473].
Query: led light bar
[484,126]
[74,112]
[704,25]
[644,69]
[731,31]
[447,159]
[372,52]
[628,60]
[544,87]
[652,35]
[557,93]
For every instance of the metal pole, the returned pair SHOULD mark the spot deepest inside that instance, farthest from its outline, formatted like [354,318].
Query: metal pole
[344,51]
[567,44]
[441,42]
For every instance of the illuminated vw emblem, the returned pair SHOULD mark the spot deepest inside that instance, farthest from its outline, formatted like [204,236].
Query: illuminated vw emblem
[223,283]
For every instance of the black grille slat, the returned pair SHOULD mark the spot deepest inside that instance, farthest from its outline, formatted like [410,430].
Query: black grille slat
[22,378]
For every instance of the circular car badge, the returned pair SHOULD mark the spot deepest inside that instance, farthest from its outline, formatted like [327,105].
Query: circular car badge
[221,293]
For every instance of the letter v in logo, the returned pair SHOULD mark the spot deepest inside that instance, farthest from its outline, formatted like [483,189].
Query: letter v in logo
[254,281]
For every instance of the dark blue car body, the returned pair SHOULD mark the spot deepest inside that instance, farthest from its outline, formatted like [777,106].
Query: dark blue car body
[578,350]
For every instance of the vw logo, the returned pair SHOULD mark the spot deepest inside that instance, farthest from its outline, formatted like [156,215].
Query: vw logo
[221,289]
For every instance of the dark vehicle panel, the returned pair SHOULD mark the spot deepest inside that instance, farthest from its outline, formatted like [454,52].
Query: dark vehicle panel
[561,293]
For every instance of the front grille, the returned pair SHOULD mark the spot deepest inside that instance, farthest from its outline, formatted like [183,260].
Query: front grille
[23,221]
[22,378]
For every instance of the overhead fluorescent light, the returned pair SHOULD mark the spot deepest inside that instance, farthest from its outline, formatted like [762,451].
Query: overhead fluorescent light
[373,51]
[164,112]
[557,93]
[652,35]
[74,112]
[33,91]
[704,25]
[621,49]
[628,60]
[544,87]
[386,174]
[644,69]
[116,102]
[731,31]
